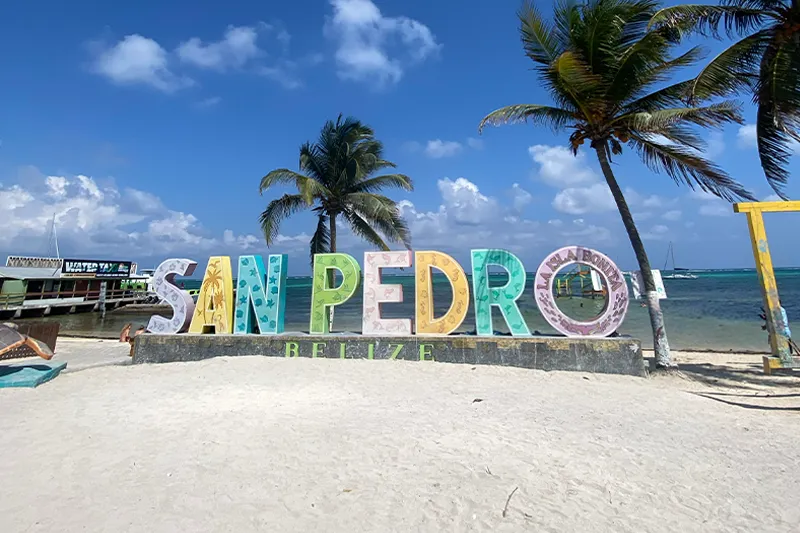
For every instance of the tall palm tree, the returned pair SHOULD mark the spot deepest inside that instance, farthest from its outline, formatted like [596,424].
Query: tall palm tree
[765,60]
[336,180]
[606,73]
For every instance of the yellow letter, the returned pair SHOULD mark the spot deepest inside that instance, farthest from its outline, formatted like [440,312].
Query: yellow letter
[215,301]
[427,324]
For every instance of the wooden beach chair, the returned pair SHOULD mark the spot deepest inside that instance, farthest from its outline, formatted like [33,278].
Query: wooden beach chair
[14,344]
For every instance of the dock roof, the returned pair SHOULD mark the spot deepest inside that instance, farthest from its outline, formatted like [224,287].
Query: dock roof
[25,273]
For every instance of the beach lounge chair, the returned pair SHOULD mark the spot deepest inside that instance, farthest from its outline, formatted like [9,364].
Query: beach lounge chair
[14,344]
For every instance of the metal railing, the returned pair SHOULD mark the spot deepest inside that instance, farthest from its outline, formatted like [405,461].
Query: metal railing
[8,301]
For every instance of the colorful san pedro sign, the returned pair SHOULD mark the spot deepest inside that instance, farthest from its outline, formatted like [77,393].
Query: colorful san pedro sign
[259,304]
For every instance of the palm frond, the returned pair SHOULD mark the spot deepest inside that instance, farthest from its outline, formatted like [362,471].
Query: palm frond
[552,117]
[686,166]
[711,116]
[778,98]
[675,94]
[381,212]
[362,228]
[321,240]
[307,187]
[734,19]
[537,35]
[639,71]
[277,211]
[734,69]
[575,76]
[378,183]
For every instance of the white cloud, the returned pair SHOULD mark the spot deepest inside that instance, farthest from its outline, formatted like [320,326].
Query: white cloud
[102,219]
[243,242]
[712,206]
[672,215]
[236,48]
[372,47]
[718,208]
[284,73]
[559,168]
[475,144]
[746,136]
[138,60]
[56,185]
[466,203]
[520,198]
[596,198]
[772,198]
[467,219]
[658,232]
[438,148]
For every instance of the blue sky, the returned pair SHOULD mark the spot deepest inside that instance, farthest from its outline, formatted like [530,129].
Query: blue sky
[146,129]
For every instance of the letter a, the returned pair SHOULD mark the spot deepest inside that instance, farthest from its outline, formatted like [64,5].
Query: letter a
[215,301]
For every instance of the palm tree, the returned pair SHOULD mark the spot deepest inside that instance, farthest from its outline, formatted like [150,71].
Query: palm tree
[336,182]
[764,61]
[606,73]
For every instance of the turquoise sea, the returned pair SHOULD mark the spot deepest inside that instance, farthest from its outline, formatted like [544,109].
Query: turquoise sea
[717,311]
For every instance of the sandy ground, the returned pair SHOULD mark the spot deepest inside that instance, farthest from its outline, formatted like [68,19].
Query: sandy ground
[260,444]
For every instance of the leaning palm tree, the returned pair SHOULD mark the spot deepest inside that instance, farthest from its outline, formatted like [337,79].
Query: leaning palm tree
[336,180]
[603,69]
[765,62]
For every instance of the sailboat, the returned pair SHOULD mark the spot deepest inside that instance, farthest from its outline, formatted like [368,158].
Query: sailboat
[675,272]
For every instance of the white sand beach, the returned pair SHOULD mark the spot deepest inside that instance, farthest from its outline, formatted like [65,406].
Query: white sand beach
[260,444]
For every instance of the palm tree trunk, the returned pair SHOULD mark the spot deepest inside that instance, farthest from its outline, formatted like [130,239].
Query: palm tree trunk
[333,232]
[660,343]
[331,275]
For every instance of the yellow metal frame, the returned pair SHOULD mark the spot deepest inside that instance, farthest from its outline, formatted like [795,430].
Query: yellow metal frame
[781,354]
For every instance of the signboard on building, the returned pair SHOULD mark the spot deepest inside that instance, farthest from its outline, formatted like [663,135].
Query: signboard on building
[20,261]
[96,269]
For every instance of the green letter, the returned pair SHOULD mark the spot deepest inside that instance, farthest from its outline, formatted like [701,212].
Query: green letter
[342,348]
[291,349]
[323,295]
[315,351]
[504,297]
[425,351]
[396,351]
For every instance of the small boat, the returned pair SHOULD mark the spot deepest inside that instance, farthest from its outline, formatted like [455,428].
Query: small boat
[675,272]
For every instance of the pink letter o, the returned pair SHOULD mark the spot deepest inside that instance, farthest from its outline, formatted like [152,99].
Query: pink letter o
[616,303]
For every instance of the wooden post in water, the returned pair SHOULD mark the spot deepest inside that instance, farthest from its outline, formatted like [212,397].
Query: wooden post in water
[781,353]
[103,299]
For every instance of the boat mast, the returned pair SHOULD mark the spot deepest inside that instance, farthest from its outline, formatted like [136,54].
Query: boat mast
[55,237]
[669,254]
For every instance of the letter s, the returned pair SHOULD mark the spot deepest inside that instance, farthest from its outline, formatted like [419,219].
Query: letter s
[180,301]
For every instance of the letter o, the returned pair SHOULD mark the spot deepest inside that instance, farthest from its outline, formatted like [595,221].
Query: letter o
[616,303]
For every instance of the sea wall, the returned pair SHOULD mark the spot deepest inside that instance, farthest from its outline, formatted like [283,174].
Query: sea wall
[619,355]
